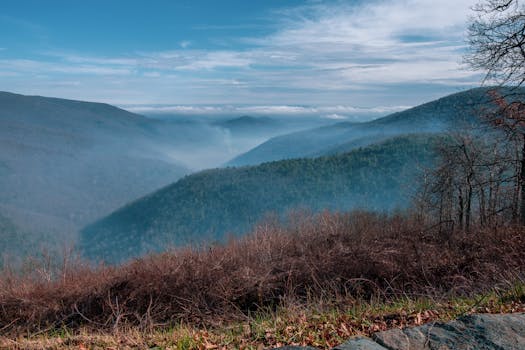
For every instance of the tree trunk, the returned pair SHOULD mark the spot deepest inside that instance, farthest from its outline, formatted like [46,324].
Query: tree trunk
[468,210]
[460,209]
[482,205]
[522,182]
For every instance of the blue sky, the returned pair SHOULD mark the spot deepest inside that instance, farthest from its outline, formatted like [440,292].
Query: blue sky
[271,56]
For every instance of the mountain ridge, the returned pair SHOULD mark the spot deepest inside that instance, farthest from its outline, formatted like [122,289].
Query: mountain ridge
[455,110]
[65,163]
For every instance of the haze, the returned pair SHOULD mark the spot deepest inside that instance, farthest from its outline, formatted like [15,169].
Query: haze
[203,85]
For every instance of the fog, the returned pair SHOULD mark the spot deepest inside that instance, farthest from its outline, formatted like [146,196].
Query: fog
[65,164]
[202,141]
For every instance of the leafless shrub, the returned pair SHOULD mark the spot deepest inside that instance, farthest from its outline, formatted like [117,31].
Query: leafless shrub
[326,255]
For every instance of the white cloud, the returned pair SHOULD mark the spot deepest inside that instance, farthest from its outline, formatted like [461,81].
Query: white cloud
[89,69]
[331,112]
[335,116]
[152,74]
[381,41]
[348,54]
[114,61]
[21,66]
[8,74]
[218,59]
[176,109]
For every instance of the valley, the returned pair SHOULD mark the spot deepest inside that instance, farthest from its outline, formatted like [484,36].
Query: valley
[376,165]
[103,180]
[65,163]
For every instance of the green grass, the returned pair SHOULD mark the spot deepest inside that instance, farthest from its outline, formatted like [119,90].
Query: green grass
[319,323]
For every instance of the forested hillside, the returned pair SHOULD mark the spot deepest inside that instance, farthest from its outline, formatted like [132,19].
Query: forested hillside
[452,111]
[206,206]
[65,163]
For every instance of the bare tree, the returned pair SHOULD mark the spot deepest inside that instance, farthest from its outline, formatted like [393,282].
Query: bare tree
[510,117]
[480,177]
[474,181]
[496,38]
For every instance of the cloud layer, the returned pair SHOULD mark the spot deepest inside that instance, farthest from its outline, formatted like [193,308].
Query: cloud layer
[329,112]
[376,53]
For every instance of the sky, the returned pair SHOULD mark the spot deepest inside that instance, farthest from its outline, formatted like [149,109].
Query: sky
[259,56]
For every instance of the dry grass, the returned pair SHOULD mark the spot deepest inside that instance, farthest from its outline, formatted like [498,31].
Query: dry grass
[317,324]
[344,260]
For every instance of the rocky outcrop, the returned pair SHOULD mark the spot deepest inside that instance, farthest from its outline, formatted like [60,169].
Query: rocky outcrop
[484,331]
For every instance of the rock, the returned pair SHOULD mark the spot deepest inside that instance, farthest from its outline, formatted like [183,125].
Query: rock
[485,331]
[400,339]
[295,348]
[505,331]
[360,343]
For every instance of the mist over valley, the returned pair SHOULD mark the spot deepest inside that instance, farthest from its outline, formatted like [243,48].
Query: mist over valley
[65,164]
[376,165]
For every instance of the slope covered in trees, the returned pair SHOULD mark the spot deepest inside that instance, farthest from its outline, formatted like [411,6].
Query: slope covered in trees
[208,205]
[65,163]
[437,116]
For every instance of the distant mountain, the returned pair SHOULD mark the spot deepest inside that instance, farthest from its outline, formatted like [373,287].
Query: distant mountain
[267,127]
[206,206]
[248,123]
[66,163]
[204,141]
[436,116]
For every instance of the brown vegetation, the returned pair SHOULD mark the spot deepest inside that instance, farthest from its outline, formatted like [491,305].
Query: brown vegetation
[326,256]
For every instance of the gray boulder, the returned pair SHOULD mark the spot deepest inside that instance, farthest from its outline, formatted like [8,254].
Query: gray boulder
[360,343]
[295,348]
[480,332]
[497,332]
